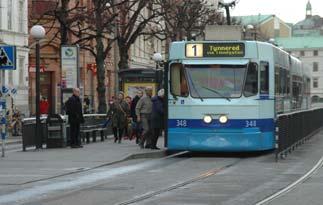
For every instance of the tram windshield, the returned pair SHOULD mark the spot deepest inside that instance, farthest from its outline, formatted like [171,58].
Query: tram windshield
[215,81]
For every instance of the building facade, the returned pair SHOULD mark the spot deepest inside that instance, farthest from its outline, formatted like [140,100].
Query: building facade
[307,44]
[141,53]
[263,27]
[14,31]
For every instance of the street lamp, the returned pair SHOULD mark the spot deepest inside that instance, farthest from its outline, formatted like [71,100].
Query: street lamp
[38,32]
[158,58]
[251,30]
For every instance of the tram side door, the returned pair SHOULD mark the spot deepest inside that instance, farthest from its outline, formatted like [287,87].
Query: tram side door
[267,103]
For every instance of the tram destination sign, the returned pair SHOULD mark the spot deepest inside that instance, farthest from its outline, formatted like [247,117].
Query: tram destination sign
[200,50]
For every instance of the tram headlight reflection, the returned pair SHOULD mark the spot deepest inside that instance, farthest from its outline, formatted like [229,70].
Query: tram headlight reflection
[207,119]
[223,119]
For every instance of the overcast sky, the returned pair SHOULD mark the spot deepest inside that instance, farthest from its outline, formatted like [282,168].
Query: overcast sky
[290,11]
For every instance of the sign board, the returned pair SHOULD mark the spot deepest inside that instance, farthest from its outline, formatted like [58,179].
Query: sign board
[69,63]
[200,50]
[7,57]
[131,89]
[32,68]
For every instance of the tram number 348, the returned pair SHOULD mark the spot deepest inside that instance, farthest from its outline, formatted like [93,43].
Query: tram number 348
[181,123]
[251,123]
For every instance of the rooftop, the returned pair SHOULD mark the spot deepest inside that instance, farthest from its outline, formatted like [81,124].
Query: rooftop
[300,42]
[253,19]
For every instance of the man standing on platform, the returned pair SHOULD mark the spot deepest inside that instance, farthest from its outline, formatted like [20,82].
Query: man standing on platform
[75,117]
[143,112]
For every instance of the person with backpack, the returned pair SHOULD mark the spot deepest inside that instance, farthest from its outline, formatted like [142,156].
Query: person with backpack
[73,108]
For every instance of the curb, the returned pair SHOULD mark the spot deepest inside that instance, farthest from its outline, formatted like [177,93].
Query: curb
[153,154]
[12,142]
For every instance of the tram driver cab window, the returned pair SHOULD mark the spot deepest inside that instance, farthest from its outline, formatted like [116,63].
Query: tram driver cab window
[251,85]
[179,85]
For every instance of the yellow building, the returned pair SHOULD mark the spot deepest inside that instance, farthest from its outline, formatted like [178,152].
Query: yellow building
[263,27]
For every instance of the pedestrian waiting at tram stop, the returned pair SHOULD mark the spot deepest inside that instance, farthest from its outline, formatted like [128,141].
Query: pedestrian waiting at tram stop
[73,108]
[118,114]
[157,117]
[143,112]
[136,126]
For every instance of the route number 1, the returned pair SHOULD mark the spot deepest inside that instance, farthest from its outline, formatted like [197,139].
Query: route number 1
[194,50]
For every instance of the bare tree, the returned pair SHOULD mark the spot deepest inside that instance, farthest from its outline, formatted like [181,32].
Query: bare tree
[134,20]
[95,34]
[186,19]
[91,27]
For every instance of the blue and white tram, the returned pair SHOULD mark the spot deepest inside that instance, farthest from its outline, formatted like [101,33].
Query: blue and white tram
[225,96]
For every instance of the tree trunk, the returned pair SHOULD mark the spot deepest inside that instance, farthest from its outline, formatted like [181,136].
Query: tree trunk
[124,56]
[99,59]
[63,19]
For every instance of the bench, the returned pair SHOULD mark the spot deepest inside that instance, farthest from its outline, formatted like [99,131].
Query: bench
[92,126]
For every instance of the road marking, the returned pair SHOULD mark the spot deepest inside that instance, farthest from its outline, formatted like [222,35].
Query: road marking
[293,185]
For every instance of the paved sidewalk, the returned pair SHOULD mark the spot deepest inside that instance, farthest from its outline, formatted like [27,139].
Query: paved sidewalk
[20,167]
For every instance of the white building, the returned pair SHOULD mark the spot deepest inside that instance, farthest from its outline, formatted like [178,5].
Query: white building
[14,31]
[307,45]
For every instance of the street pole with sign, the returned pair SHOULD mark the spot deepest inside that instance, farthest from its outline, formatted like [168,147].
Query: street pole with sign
[7,62]
[70,72]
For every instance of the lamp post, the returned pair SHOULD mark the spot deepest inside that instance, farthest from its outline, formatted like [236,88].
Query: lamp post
[38,33]
[158,58]
[250,32]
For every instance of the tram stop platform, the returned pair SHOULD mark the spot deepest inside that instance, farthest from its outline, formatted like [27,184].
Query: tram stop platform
[18,167]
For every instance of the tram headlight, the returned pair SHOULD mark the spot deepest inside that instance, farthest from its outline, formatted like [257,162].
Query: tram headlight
[207,119]
[223,119]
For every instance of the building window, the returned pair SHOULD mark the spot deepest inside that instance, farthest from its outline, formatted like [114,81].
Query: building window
[21,17]
[302,53]
[9,13]
[315,66]
[315,82]
[315,53]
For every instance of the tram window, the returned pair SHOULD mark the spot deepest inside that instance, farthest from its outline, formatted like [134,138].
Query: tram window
[283,77]
[264,78]
[277,81]
[288,83]
[178,81]
[251,85]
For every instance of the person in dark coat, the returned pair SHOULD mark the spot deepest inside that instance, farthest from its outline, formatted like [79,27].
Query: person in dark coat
[136,127]
[75,117]
[118,113]
[157,117]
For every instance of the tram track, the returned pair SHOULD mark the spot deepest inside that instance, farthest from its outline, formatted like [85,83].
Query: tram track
[124,170]
[200,177]
[293,185]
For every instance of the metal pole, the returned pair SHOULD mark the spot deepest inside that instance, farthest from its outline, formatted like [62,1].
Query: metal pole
[3,130]
[38,134]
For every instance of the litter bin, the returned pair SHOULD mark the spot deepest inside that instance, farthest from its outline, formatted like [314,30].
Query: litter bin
[56,131]
[29,132]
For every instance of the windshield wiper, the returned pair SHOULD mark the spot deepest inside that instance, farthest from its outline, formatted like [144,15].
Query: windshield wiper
[217,92]
[198,94]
